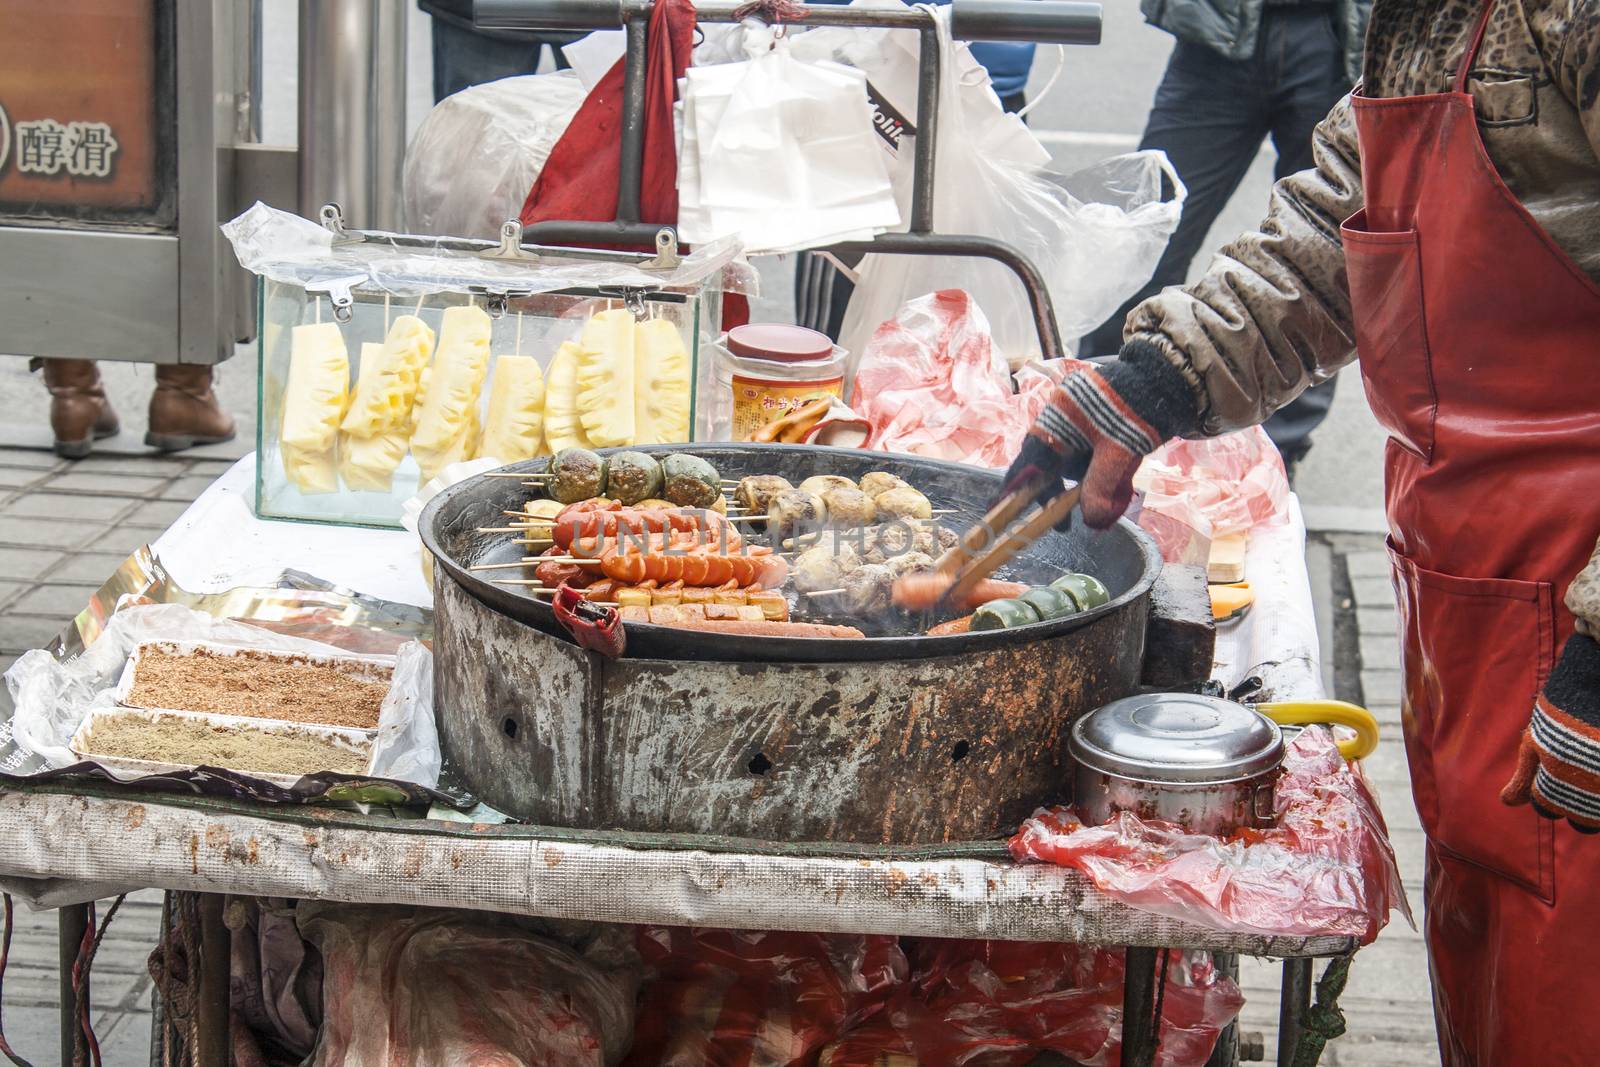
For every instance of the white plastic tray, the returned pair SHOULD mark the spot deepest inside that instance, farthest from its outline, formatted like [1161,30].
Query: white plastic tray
[82,744]
[368,666]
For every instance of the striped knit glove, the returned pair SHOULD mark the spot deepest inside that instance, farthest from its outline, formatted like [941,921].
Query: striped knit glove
[1099,424]
[1558,763]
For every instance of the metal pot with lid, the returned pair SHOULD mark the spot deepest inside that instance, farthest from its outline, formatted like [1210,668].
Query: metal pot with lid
[1206,764]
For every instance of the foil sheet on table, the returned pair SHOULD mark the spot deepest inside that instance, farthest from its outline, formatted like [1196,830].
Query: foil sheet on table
[298,605]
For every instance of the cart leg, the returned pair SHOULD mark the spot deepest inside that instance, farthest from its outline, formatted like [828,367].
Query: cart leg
[72,921]
[1294,1001]
[212,998]
[1138,1007]
[1226,1054]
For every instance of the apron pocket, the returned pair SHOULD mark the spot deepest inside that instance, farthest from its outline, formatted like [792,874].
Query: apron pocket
[1385,272]
[1476,652]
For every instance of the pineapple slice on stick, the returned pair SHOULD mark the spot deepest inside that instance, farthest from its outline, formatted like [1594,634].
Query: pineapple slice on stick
[454,382]
[662,383]
[515,426]
[605,379]
[464,446]
[386,384]
[561,426]
[368,463]
[314,400]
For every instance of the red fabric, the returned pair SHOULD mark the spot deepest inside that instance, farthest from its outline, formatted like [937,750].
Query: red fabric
[579,180]
[1477,336]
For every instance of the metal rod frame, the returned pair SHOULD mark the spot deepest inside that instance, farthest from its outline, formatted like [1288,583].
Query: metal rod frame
[1294,1000]
[1139,1022]
[71,923]
[920,240]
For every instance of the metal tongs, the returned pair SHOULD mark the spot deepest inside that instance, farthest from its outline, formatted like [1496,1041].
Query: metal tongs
[992,542]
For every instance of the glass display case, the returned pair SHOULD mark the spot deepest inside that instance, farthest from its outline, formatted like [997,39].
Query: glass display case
[367,388]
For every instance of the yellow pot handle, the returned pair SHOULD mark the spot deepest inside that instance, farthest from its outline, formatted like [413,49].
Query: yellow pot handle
[1337,712]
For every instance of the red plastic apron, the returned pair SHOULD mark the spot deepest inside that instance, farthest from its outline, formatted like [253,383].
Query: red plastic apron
[1480,347]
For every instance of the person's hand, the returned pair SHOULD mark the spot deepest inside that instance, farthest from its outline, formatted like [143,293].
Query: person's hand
[1097,427]
[1558,762]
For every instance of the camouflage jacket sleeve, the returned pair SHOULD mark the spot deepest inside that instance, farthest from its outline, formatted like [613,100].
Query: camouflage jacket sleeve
[1272,314]
[1583,597]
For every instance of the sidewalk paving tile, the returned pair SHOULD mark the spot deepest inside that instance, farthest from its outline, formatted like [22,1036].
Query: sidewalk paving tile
[8,590]
[17,477]
[1372,592]
[18,633]
[1380,653]
[157,513]
[87,568]
[1367,565]
[119,540]
[62,506]
[119,484]
[28,457]
[26,562]
[162,467]
[35,533]
[63,600]
[1381,621]
[187,488]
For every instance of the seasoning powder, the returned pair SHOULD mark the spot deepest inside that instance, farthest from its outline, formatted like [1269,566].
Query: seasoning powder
[172,739]
[259,686]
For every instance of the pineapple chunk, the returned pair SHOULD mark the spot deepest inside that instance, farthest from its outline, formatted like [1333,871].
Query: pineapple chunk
[368,463]
[318,387]
[561,426]
[464,446]
[516,410]
[386,384]
[662,384]
[605,379]
[454,382]
[310,471]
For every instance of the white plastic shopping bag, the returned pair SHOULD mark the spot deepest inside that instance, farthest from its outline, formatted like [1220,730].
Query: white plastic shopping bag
[1095,236]
[782,154]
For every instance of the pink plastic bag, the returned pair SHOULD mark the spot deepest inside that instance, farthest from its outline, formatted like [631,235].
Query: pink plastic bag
[747,998]
[1002,1003]
[931,382]
[1325,868]
[1198,491]
[434,988]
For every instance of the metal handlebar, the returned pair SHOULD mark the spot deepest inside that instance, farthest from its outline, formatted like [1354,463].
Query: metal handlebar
[1041,21]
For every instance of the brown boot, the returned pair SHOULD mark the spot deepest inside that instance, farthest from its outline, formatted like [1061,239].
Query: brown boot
[80,414]
[184,411]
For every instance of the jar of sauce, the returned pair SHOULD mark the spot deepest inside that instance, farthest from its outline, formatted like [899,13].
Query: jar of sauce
[766,370]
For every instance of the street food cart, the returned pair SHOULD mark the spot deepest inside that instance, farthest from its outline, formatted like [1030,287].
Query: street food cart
[729,779]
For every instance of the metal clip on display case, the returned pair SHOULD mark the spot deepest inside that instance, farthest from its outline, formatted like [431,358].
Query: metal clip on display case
[1040,21]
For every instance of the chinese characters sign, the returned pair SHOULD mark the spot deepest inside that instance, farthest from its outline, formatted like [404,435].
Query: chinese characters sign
[86,110]
[82,149]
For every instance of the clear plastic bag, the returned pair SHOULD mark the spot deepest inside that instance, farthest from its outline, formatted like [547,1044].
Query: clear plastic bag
[287,248]
[1200,490]
[930,382]
[1002,1003]
[472,161]
[1095,236]
[1326,867]
[433,988]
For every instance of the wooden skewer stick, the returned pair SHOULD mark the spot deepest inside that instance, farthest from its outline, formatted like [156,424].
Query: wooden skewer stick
[528,561]
[824,592]
[504,529]
[506,474]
